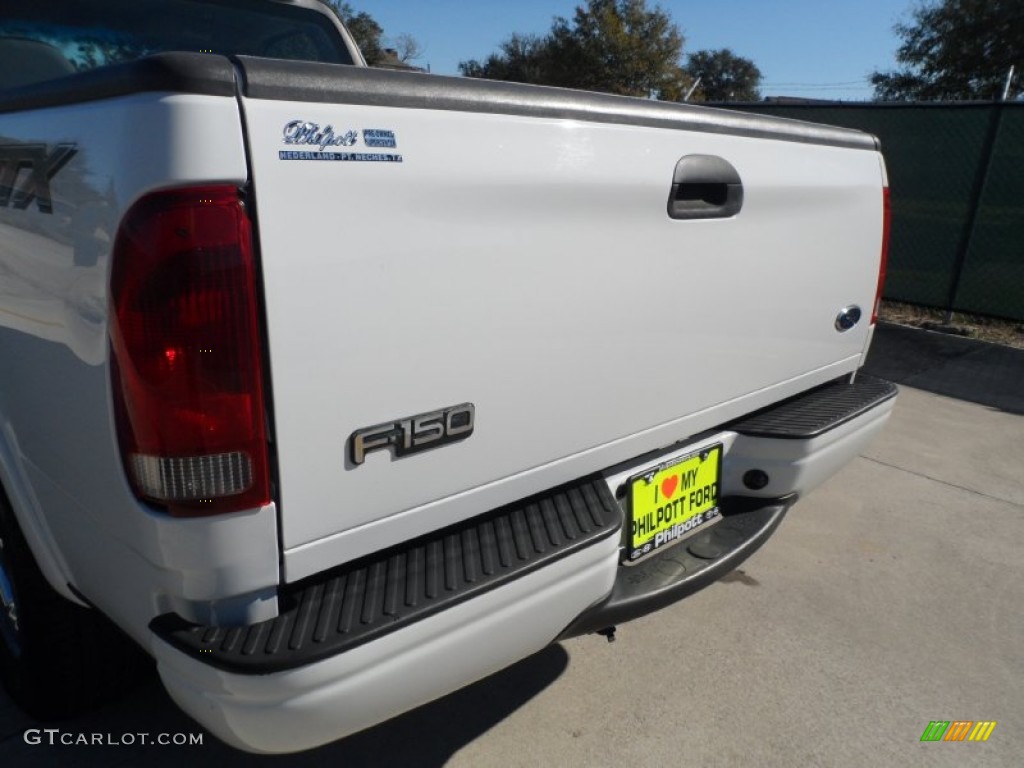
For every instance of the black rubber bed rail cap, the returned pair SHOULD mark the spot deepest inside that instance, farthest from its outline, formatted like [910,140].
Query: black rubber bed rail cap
[338,610]
[276,79]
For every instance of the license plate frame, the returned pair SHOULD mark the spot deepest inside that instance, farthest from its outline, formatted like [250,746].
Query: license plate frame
[692,501]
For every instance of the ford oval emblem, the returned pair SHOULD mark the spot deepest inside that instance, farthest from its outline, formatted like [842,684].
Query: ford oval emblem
[848,318]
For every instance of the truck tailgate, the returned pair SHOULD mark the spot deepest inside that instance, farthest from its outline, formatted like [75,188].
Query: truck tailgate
[447,243]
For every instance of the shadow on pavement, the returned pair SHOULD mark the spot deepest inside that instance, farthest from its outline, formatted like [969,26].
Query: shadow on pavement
[427,736]
[966,369]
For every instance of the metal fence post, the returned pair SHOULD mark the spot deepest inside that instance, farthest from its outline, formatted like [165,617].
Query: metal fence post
[978,190]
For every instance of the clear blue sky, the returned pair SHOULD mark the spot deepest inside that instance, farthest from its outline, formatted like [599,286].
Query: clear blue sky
[813,48]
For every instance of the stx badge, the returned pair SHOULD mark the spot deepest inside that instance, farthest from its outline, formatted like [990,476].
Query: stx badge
[415,433]
[17,188]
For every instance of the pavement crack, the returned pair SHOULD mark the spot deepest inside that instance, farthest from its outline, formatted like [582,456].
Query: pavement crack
[943,482]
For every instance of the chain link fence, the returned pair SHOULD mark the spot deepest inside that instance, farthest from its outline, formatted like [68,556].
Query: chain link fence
[956,175]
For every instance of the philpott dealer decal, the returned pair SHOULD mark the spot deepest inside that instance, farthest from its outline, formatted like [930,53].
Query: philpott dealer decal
[351,146]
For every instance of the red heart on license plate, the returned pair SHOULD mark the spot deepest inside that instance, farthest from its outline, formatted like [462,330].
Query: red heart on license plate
[668,486]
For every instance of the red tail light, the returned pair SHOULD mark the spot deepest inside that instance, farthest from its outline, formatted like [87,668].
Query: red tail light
[184,328]
[883,265]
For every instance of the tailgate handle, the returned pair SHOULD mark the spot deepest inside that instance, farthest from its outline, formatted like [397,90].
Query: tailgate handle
[705,187]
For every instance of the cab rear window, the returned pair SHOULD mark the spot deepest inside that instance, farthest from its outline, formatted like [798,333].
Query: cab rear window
[45,39]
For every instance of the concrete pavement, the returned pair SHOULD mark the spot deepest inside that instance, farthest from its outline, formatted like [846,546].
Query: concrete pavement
[890,597]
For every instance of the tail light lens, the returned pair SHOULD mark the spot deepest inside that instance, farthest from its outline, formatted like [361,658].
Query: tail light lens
[185,343]
[884,264]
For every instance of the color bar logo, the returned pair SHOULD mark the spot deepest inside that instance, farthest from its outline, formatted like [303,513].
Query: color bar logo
[958,730]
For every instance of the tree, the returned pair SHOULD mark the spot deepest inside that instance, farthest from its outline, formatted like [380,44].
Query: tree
[369,36]
[521,59]
[724,76]
[407,48]
[616,46]
[955,50]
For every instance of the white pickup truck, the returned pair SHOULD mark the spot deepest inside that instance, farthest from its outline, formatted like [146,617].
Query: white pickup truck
[335,389]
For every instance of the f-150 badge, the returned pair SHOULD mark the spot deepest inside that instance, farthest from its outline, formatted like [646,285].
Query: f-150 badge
[318,142]
[42,164]
[414,433]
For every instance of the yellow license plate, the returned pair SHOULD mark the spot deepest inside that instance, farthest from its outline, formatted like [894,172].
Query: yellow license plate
[673,501]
